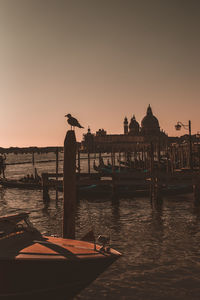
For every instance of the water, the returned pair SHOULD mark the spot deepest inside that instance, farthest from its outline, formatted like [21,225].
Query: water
[161,254]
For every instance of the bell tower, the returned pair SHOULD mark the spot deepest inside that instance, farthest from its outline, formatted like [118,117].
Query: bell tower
[125,125]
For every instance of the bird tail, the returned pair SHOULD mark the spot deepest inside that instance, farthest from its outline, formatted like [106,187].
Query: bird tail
[80,126]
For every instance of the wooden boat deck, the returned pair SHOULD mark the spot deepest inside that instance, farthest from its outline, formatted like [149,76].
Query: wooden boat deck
[62,249]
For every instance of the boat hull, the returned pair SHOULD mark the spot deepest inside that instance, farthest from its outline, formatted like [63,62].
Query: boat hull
[48,279]
[12,183]
[39,267]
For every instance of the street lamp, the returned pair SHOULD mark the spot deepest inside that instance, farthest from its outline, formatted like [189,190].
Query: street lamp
[178,127]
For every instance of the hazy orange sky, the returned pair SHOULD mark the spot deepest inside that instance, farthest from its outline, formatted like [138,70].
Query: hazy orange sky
[98,60]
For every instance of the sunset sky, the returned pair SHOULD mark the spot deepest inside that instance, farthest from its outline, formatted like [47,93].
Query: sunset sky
[100,60]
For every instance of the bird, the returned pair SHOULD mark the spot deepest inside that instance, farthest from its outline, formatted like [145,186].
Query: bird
[73,122]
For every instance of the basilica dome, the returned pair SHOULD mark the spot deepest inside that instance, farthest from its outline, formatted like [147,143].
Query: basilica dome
[150,124]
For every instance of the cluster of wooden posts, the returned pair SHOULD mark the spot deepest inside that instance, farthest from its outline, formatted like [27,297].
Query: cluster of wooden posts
[183,169]
[177,170]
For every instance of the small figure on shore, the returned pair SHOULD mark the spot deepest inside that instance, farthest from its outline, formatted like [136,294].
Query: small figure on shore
[2,165]
[73,122]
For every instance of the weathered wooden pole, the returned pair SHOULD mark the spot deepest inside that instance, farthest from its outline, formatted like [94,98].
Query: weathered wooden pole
[196,189]
[143,157]
[69,185]
[168,162]
[57,154]
[196,184]
[196,192]
[190,146]
[146,158]
[158,153]
[113,157]
[100,159]
[119,161]
[33,160]
[45,187]
[113,174]
[151,164]
[88,162]
[3,165]
[155,186]
[199,157]
[114,186]
[182,159]
[79,163]
[171,159]
[3,171]
[112,161]
[157,199]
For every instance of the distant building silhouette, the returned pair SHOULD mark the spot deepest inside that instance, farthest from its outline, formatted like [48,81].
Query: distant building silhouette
[133,133]
[134,127]
[125,125]
[101,132]
[88,141]
[150,124]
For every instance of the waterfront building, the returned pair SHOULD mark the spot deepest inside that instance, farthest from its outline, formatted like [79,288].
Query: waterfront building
[133,134]
[149,125]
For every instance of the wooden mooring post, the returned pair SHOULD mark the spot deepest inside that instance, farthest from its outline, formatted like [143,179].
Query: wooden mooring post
[99,157]
[114,195]
[119,161]
[88,162]
[69,185]
[45,187]
[57,155]
[196,192]
[155,186]
[33,159]
[157,194]
[196,184]
[79,163]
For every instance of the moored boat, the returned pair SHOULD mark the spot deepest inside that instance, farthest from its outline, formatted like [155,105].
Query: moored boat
[34,266]
[17,183]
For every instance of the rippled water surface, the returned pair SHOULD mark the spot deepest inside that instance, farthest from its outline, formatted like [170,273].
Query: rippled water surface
[161,255]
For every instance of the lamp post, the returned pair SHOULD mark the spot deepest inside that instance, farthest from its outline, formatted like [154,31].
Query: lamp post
[178,127]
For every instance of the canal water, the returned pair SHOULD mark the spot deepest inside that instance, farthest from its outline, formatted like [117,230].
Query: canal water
[161,253]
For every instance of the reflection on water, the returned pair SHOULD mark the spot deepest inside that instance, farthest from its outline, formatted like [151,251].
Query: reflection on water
[161,253]
[161,256]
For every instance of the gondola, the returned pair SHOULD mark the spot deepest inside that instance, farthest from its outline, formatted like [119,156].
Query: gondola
[101,191]
[109,169]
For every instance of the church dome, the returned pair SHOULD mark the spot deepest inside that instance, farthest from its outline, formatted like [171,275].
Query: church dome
[150,124]
[134,126]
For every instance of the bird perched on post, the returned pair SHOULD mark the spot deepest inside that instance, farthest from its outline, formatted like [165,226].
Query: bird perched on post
[73,122]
